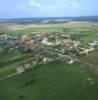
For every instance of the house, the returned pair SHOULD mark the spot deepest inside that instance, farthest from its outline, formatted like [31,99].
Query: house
[45,42]
[93,44]
[71,61]
[34,62]
[45,59]
[24,38]
[20,70]
[58,41]
[27,66]
[3,36]
[86,50]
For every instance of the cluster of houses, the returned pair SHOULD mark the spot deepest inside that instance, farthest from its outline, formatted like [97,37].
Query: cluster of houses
[48,47]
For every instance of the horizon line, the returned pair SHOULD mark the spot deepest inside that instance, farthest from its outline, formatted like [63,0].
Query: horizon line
[49,17]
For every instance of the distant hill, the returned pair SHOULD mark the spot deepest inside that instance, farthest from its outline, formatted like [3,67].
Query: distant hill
[49,20]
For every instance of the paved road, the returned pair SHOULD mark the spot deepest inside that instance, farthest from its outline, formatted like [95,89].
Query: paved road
[9,76]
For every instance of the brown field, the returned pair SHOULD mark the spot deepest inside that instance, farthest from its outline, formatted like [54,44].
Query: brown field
[92,58]
[74,24]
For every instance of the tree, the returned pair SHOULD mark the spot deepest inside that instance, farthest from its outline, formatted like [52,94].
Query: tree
[66,30]
[21,96]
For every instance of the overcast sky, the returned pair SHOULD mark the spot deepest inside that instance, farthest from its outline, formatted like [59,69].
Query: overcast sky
[47,8]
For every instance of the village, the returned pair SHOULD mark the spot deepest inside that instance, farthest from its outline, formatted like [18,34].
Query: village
[45,48]
[49,49]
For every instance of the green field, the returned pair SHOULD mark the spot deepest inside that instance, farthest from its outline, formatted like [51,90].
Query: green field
[51,82]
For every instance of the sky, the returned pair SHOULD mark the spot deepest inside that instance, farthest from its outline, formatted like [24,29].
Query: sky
[47,8]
